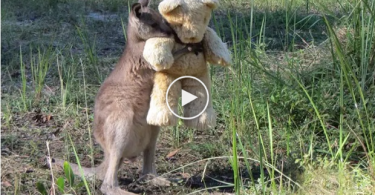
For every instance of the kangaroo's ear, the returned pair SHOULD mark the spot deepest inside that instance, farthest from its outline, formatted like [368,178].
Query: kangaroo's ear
[144,3]
[168,6]
[136,9]
[213,4]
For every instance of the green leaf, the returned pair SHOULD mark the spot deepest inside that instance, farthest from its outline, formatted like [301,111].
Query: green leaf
[41,188]
[244,90]
[60,184]
[273,99]
[69,173]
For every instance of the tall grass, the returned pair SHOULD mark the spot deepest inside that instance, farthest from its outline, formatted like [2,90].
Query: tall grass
[24,83]
[297,105]
[354,75]
[39,68]
[354,79]
[90,51]
[39,64]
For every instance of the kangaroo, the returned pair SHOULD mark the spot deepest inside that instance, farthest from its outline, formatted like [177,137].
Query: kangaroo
[122,103]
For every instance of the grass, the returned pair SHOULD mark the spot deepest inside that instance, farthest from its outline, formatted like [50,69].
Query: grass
[296,111]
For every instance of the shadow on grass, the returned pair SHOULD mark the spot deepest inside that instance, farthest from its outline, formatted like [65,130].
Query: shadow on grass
[279,29]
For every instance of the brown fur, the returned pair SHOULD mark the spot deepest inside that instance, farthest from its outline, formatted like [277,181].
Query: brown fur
[122,103]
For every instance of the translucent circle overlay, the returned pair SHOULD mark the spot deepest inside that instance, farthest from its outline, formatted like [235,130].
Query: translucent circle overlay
[187,77]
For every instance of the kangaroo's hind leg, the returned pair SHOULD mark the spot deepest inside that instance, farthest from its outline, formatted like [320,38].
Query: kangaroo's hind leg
[149,152]
[117,141]
[149,170]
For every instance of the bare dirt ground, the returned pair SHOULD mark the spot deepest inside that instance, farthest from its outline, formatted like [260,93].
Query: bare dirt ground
[24,152]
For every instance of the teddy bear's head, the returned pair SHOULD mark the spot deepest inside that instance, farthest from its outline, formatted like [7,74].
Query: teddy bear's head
[189,18]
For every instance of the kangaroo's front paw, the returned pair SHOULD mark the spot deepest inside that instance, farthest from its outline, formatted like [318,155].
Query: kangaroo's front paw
[114,190]
[161,116]
[154,180]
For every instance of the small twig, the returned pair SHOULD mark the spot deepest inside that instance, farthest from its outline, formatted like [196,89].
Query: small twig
[232,71]
[49,159]
[204,170]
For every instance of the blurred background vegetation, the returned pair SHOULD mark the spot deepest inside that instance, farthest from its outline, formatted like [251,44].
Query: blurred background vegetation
[296,111]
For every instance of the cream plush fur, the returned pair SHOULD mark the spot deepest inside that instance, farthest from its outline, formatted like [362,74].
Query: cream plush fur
[189,19]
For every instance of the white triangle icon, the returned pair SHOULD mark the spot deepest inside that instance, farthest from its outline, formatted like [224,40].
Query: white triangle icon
[187,97]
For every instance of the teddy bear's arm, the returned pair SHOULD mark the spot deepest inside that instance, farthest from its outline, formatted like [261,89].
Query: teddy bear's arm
[158,53]
[215,50]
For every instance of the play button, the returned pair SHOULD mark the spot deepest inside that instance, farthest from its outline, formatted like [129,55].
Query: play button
[187,97]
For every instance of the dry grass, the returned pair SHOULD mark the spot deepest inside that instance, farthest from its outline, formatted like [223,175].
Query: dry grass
[294,45]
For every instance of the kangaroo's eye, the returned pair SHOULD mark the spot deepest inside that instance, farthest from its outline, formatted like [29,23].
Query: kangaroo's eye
[154,25]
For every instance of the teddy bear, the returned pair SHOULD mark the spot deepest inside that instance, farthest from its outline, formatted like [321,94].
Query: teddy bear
[189,19]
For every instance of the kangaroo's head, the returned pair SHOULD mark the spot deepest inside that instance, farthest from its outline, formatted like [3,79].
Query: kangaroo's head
[145,23]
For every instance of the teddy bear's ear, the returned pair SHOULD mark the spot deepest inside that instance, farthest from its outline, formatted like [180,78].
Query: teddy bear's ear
[167,6]
[213,4]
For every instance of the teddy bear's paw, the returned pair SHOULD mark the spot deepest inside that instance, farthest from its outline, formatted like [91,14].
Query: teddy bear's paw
[205,121]
[216,50]
[223,61]
[158,52]
[222,58]
[162,64]
[161,117]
